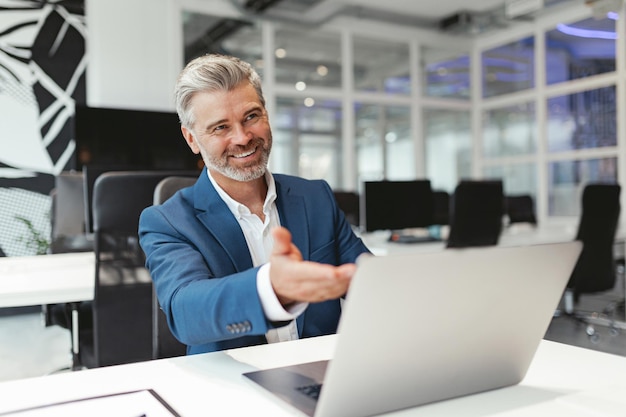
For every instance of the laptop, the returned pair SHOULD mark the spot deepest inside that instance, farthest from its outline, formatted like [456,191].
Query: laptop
[424,327]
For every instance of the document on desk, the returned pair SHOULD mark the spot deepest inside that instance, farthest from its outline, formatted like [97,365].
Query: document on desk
[142,403]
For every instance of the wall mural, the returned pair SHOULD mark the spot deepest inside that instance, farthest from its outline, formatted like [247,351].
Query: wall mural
[42,75]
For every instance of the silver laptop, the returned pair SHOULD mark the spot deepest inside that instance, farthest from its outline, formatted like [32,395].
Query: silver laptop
[425,327]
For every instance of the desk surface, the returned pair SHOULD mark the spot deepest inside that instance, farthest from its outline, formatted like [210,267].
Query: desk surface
[47,279]
[562,381]
[516,235]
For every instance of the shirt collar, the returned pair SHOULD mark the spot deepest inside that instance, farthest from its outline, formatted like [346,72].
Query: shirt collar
[236,207]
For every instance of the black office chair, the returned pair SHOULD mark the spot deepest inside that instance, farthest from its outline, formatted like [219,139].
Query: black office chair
[122,306]
[164,344]
[596,269]
[520,209]
[476,211]
[348,202]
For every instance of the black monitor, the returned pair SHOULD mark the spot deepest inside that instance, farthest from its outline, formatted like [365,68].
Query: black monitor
[143,139]
[397,205]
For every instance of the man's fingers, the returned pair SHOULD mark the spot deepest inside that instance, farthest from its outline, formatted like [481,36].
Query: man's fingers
[282,241]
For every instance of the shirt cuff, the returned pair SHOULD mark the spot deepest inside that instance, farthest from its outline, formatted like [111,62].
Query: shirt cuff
[272,308]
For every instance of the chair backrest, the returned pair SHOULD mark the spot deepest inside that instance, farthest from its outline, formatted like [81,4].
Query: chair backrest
[520,209]
[349,203]
[477,209]
[441,207]
[595,270]
[164,344]
[122,307]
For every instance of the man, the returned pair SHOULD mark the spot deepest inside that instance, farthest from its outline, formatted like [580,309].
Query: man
[243,257]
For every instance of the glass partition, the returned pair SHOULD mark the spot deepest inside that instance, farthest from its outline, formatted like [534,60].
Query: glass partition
[445,73]
[568,178]
[510,131]
[205,33]
[448,147]
[306,57]
[509,68]
[381,66]
[310,130]
[580,49]
[583,120]
[384,146]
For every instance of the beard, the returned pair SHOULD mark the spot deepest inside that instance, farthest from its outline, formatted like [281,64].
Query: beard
[250,172]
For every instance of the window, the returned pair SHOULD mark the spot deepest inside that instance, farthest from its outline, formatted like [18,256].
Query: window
[310,129]
[381,66]
[448,141]
[384,146]
[580,49]
[508,68]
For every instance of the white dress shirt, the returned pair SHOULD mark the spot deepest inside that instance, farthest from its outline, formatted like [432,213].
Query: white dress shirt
[260,243]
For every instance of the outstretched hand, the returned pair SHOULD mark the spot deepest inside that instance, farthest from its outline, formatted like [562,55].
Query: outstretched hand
[296,280]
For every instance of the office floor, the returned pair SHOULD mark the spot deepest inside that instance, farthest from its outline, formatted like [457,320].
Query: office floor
[29,349]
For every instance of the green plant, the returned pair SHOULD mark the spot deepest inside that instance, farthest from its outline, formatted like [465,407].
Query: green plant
[36,240]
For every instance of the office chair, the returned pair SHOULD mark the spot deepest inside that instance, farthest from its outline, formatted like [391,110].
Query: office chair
[476,214]
[596,269]
[520,209]
[164,344]
[122,305]
[349,203]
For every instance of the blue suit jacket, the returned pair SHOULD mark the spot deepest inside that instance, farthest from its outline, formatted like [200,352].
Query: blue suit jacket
[202,270]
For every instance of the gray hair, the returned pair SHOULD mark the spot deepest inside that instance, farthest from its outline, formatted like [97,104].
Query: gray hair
[210,73]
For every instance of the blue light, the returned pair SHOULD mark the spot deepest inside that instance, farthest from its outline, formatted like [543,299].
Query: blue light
[585,33]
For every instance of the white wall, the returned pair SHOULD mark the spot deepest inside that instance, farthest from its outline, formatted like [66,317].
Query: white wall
[133,57]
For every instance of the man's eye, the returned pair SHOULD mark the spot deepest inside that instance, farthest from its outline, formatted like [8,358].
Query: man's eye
[219,128]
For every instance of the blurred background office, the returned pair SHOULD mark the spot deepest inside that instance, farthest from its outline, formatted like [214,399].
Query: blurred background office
[527,91]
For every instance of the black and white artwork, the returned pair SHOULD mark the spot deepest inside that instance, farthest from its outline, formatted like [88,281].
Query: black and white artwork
[42,76]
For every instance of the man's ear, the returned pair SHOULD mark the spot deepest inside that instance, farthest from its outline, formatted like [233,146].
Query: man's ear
[190,139]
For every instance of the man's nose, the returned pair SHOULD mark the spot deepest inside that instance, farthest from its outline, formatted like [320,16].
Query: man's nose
[241,135]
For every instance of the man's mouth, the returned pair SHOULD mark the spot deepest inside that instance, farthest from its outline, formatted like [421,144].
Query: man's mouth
[245,154]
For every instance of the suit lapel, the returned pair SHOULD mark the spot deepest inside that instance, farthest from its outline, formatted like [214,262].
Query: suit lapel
[292,213]
[220,222]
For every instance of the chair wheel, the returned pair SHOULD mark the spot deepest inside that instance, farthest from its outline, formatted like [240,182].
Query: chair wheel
[590,331]
[595,338]
[613,331]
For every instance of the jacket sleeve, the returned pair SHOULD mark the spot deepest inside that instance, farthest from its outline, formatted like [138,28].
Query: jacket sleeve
[203,299]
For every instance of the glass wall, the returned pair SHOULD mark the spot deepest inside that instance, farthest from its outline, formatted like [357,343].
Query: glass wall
[448,145]
[349,106]
[446,73]
[307,58]
[311,130]
[509,68]
[580,49]
[385,149]
[381,66]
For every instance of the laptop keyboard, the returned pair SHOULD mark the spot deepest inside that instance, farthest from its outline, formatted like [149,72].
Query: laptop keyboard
[312,391]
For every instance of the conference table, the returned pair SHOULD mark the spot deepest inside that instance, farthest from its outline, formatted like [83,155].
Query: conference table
[562,381]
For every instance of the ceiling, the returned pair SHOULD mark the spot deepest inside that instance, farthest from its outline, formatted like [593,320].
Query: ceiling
[462,16]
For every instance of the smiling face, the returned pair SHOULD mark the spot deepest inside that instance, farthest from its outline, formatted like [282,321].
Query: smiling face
[232,133]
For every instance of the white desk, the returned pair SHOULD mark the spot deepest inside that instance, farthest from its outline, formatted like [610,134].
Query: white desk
[47,279]
[516,235]
[562,381]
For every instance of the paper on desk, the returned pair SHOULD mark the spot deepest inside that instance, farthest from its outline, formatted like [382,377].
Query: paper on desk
[144,403]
